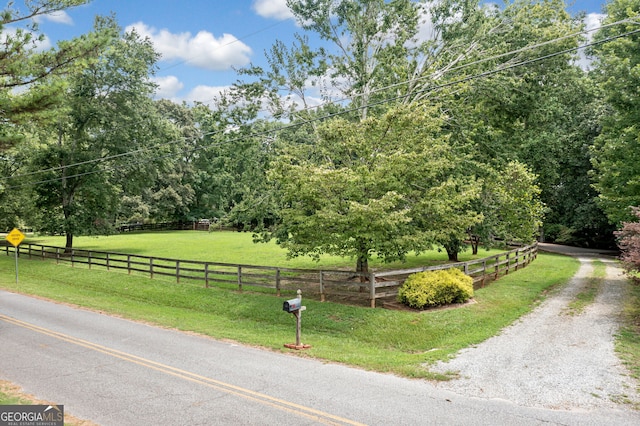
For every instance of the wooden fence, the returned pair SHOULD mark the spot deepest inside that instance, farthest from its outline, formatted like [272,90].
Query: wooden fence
[164,226]
[323,284]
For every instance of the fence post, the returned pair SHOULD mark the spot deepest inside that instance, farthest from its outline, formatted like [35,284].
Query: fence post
[484,272]
[151,267]
[508,263]
[239,277]
[322,295]
[206,275]
[73,255]
[178,271]
[497,266]
[129,264]
[108,261]
[372,289]
[278,282]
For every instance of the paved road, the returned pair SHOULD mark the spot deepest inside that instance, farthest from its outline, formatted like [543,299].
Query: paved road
[118,372]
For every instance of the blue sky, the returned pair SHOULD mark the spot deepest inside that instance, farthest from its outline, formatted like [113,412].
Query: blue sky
[202,40]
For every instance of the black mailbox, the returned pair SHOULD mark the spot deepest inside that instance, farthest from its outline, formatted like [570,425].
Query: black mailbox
[292,305]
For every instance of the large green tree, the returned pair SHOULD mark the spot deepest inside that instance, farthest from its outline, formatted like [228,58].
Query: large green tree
[377,187]
[363,36]
[27,90]
[103,146]
[617,149]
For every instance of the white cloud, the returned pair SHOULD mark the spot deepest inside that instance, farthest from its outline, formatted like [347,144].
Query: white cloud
[203,50]
[425,26]
[205,94]
[36,45]
[168,87]
[592,21]
[59,17]
[276,9]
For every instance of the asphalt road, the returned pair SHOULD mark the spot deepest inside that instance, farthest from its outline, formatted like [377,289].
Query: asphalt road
[118,372]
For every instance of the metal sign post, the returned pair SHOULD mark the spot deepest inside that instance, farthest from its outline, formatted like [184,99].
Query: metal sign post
[15,237]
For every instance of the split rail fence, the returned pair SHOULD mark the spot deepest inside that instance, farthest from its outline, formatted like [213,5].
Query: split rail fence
[321,283]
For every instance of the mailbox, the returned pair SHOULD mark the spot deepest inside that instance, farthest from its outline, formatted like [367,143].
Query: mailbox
[292,305]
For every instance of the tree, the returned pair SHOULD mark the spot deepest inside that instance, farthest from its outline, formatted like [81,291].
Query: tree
[170,195]
[511,207]
[542,113]
[90,160]
[377,187]
[365,36]
[15,194]
[24,67]
[617,149]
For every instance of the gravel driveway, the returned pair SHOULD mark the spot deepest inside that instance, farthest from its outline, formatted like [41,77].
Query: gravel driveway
[551,359]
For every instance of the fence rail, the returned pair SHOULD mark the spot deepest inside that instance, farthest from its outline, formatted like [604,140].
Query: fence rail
[322,283]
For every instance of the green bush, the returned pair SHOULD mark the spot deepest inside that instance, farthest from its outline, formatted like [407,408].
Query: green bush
[435,288]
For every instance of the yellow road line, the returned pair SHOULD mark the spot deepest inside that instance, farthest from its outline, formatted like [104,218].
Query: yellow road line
[264,399]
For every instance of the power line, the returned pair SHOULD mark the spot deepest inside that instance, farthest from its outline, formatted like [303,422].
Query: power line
[406,82]
[325,117]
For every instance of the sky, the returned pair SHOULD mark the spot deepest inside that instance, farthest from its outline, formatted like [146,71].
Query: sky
[202,42]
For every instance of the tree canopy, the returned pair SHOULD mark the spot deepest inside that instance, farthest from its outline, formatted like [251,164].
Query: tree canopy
[442,122]
[29,85]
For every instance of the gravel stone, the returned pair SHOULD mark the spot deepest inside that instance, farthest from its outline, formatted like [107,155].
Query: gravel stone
[550,358]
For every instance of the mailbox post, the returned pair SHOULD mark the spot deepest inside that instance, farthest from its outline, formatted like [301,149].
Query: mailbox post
[294,306]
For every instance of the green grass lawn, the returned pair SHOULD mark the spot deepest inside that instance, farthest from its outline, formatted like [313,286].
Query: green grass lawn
[231,247]
[378,339]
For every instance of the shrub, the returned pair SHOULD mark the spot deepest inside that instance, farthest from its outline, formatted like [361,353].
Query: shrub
[629,243]
[435,288]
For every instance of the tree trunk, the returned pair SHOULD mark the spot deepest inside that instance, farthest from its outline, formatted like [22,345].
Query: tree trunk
[453,255]
[475,242]
[69,244]
[362,267]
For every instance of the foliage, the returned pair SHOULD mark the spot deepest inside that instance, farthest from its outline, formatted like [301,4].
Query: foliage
[435,288]
[171,194]
[617,69]
[380,186]
[511,206]
[365,37]
[108,113]
[27,67]
[629,243]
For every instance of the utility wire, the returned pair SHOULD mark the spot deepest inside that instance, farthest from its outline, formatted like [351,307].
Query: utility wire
[406,82]
[325,117]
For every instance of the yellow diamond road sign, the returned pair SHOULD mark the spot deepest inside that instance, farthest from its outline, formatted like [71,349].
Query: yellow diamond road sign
[15,237]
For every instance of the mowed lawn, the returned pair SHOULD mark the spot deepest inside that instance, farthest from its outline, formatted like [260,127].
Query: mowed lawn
[402,342]
[232,247]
